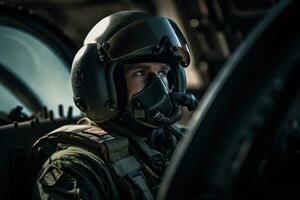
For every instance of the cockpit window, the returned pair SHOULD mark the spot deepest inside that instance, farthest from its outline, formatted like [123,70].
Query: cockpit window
[9,101]
[36,64]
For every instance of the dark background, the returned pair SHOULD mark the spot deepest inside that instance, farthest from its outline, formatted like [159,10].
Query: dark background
[213,28]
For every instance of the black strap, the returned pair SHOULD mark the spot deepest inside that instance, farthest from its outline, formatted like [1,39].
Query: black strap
[153,157]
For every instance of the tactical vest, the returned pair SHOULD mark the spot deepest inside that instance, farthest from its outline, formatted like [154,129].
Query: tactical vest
[112,149]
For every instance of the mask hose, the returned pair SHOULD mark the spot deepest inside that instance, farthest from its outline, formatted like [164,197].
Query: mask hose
[186,99]
[160,117]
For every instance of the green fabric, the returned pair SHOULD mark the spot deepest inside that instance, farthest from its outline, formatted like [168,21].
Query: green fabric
[145,149]
[73,168]
[75,173]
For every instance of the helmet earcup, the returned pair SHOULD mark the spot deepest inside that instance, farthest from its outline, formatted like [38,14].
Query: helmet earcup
[89,84]
[181,79]
[177,78]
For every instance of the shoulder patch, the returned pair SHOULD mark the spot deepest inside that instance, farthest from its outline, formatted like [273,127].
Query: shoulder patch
[50,176]
[95,131]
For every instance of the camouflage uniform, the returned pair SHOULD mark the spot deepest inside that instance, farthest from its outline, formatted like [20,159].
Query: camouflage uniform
[85,162]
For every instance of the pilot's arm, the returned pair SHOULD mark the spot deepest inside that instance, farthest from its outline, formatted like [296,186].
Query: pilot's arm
[74,173]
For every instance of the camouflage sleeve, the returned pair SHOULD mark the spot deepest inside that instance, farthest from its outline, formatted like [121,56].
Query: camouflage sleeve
[74,173]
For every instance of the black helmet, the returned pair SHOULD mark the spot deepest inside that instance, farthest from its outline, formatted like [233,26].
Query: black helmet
[125,36]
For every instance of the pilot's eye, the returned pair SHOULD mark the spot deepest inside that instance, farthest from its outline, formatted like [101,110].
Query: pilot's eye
[139,73]
[163,73]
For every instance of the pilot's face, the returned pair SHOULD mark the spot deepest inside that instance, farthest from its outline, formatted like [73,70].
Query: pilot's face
[137,75]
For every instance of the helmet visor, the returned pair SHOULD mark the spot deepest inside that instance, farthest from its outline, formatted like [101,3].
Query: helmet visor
[144,35]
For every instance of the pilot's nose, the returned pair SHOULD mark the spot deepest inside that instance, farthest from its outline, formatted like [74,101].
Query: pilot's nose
[152,75]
